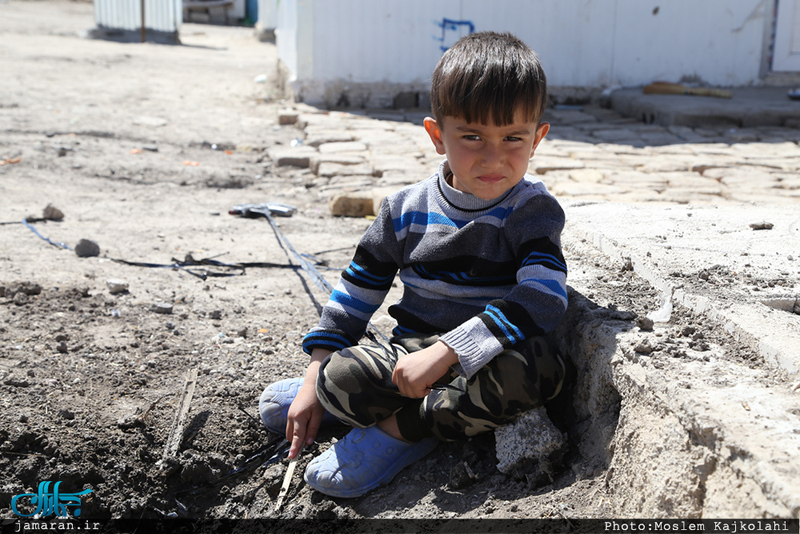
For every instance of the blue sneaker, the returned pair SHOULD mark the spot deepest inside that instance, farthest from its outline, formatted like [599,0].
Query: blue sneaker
[363,460]
[275,401]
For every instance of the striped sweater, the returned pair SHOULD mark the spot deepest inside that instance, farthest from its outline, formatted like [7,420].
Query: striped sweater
[484,274]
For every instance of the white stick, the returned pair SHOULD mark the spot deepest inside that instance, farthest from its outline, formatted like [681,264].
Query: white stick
[176,433]
[287,481]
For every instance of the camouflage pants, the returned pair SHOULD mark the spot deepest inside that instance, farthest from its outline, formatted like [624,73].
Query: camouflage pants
[355,384]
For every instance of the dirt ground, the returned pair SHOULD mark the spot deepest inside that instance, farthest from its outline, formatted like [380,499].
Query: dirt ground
[145,148]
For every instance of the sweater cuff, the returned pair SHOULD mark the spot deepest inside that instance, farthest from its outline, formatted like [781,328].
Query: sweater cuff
[474,345]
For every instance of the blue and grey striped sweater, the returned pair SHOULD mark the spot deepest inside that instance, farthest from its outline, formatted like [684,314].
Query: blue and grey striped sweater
[484,274]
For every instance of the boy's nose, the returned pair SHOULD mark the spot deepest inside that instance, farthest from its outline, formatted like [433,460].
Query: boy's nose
[492,157]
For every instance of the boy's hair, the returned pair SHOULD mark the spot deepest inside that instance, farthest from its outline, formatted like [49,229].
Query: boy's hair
[485,77]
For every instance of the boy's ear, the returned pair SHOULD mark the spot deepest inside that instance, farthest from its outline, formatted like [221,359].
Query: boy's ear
[435,133]
[541,132]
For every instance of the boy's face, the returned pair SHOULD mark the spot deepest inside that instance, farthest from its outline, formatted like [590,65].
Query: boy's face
[486,160]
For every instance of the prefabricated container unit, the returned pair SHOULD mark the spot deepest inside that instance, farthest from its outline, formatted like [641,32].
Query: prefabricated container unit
[160,15]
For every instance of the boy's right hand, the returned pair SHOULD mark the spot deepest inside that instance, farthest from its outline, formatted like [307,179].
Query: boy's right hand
[305,413]
[304,418]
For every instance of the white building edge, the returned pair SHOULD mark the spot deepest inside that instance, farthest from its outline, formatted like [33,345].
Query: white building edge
[380,53]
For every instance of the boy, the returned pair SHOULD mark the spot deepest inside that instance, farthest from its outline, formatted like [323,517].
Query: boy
[477,246]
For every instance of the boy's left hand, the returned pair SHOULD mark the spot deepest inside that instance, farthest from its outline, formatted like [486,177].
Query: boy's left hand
[416,373]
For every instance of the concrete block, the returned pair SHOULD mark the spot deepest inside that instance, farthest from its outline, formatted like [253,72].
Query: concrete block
[531,443]
[351,204]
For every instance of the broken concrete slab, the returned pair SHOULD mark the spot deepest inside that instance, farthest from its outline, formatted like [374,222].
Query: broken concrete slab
[670,245]
[531,444]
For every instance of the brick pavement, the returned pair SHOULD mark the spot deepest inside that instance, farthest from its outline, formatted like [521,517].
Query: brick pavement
[590,154]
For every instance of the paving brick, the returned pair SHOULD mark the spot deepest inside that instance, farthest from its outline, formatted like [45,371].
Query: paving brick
[318,136]
[587,175]
[287,117]
[580,189]
[636,179]
[341,159]
[338,169]
[291,156]
[348,146]
[542,165]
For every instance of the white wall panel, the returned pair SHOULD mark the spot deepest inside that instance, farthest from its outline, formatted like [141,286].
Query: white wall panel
[584,43]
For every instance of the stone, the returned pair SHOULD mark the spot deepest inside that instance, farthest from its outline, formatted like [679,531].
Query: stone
[87,248]
[116,286]
[164,308]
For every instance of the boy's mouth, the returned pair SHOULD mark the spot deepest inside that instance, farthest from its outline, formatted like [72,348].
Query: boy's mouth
[490,178]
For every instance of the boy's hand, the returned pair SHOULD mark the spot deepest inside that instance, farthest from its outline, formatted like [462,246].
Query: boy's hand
[416,373]
[305,413]
[303,419]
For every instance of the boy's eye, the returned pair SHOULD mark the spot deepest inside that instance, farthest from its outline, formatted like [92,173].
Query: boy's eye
[472,137]
[512,138]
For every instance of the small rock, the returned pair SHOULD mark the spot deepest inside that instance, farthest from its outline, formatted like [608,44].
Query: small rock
[161,307]
[116,286]
[16,382]
[761,226]
[20,299]
[643,348]
[644,323]
[64,413]
[62,348]
[130,421]
[52,213]
[87,248]
[215,315]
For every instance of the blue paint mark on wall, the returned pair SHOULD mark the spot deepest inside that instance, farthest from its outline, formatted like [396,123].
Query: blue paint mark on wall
[452,31]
